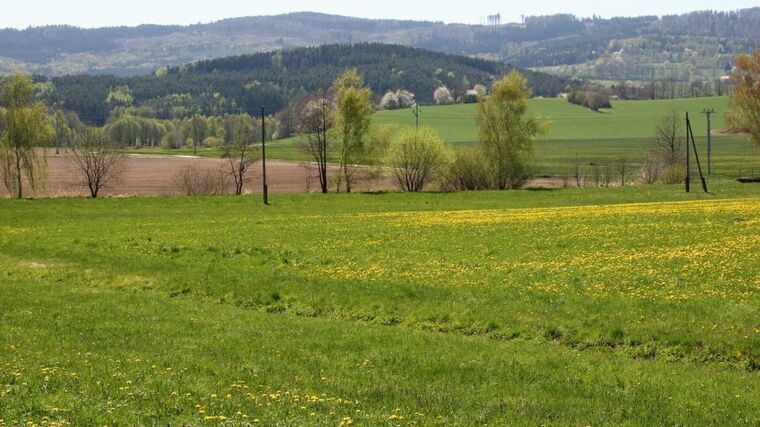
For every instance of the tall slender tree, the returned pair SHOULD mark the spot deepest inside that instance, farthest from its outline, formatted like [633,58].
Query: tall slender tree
[240,153]
[507,132]
[197,131]
[27,127]
[353,110]
[98,160]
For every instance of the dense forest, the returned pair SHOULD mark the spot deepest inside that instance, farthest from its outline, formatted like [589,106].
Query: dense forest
[683,46]
[243,84]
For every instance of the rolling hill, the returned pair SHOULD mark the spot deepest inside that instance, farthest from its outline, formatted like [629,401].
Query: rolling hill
[246,83]
[675,47]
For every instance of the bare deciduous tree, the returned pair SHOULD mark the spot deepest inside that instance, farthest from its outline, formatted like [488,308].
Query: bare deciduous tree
[670,143]
[623,171]
[578,174]
[652,170]
[97,159]
[316,121]
[670,139]
[241,156]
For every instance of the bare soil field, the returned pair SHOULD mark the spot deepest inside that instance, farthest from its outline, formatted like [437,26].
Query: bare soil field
[157,176]
[145,175]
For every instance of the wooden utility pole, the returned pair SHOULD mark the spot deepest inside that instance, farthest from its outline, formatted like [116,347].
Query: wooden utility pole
[709,113]
[264,156]
[416,112]
[57,133]
[323,164]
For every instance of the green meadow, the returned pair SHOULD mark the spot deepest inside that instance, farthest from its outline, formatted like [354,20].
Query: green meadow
[625,306]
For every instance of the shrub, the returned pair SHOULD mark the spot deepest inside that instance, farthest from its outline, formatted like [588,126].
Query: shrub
[194,180]
[465,172]
[417,156]
[652,170]
[471,97]
[597,100]
[212,142]
[674,174]
[593,99]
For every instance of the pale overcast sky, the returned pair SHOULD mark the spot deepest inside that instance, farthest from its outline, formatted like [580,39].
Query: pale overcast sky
[97,13]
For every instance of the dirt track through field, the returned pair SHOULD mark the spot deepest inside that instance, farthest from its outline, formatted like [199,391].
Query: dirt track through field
[157,176]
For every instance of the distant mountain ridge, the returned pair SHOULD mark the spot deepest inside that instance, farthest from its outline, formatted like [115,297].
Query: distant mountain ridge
[597,48]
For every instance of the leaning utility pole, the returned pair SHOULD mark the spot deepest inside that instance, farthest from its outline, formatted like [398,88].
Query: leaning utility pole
[416,113]
[709,113]
[264,156]
[690,139]
[688,155]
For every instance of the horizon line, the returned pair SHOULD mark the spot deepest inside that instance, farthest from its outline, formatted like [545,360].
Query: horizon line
[307,12]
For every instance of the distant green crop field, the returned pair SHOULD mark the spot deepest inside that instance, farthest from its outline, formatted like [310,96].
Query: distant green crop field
[626,120]
[629,306]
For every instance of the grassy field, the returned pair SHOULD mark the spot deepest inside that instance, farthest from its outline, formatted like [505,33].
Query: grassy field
[631,306]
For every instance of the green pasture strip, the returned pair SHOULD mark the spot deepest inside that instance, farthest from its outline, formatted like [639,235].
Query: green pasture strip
[78,353]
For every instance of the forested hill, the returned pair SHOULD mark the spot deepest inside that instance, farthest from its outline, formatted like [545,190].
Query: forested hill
[246,83]
[679,46]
